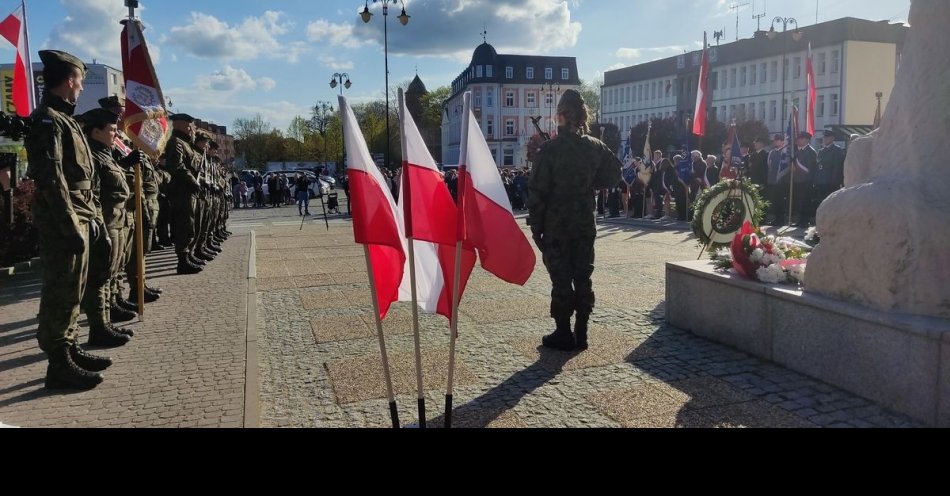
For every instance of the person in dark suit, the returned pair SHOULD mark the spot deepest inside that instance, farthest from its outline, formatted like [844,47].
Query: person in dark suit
[808,158]
[829,177]
[759,164]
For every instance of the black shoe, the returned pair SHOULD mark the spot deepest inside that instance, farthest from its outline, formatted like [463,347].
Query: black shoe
[580,331]
[89,362]
[148,297]
[131,305]
[562,338]
[63,373]
[107,338]
[121,330]
[153,290]
[119,314]
[187,269]
[195,261]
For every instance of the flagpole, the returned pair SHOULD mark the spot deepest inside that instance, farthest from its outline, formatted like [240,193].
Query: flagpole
[456,281]
[393,411]
[139,246]
[30,82]
[412,266]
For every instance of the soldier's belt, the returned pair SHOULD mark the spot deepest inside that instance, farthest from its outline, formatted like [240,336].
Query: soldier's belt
[79,186]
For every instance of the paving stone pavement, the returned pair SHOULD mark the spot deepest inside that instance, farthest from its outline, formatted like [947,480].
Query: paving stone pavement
[185,367]
[320,365]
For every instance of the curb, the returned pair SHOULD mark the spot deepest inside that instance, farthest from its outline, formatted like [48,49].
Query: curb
[252,400]
[20,268]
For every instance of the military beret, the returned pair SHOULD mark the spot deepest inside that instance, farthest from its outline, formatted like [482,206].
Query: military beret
[828,133]
[111,102]
[181,117]
[99,117]
[804,135]
[52,58]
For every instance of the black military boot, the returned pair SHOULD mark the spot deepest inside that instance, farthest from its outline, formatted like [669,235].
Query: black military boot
[562,338]
[185,267]
[119,314]
[121,330]
[195,261]
[105,337]
[214,249]
[203,255]
[149,289]
[63,373]
[149,297]
[131,304]
[580,330]
[89,362]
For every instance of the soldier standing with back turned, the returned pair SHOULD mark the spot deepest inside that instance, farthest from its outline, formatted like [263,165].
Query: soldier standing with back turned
[570,169]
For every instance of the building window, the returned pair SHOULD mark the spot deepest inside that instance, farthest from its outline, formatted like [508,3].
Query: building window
[115,79]
[733,112]
[753,76]
[509,98]
[529,73]
[509,72]
[510,127]
[488,70]
[549,99]
[820,106]
[714,80]
[640,92]
[732,78]
[763,72]
[773,111]
[653,90]
[722,112]
[761,111]
[774,71]
[490,125]
[835,61]
[509,157]
[478,99]
[490,98]
[741,111]
[798,68]
[548,73]
[822,63]
[744,77]
[565,74]
[532,100]
[835,104]
[478,71]
[725,79]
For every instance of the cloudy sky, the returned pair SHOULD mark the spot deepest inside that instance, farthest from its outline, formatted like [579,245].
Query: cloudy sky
[223,59]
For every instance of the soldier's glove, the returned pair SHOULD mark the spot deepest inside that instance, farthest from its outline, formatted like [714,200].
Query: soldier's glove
[136,157]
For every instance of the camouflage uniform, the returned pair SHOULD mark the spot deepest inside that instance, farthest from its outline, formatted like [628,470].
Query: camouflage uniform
[571,167]
[182,163]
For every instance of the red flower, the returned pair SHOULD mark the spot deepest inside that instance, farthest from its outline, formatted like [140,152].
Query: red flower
[740,253]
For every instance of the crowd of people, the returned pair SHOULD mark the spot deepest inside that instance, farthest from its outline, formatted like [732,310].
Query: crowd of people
[654,188]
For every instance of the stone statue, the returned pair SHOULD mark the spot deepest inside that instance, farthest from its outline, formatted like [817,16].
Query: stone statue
[885,238]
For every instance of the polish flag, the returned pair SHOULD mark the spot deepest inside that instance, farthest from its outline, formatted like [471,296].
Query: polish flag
[486,219]
[702,94]
[13,28]
[376,219]
[430,220]
[812,92]
[145,120]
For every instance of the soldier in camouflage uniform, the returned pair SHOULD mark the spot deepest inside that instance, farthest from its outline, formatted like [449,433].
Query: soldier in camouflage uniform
[182,162]
[111,192]
[66,217]
[571,167]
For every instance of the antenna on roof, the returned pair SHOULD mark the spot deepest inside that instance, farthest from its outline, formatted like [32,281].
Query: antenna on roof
[484,33]
[737,7]
[758,17]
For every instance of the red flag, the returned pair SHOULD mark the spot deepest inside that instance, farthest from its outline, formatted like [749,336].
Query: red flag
[145,120]
[486,217]
[812,92]
[376,220]
[430,218]
[13,28]
[702,94]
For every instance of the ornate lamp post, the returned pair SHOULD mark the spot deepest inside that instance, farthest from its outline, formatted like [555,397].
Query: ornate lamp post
[797,36]
[343,81]
[366,15]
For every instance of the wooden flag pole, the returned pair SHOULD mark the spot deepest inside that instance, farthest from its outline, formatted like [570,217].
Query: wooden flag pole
[393,412]
[139,243]
[412,276]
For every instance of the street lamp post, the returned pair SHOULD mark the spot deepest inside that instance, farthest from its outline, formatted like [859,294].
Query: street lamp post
[797,36]
[343,81]
[547,89]
[366,15]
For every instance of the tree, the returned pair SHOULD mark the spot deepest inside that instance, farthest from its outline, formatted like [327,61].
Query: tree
[251,140]
[591,93]
[662,137]
[320,115]
[749,131]
[609,134]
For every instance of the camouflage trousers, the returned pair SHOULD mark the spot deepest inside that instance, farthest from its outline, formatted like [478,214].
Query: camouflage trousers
[185,210]
[95,301]
[64,281]
[570,263]
[150,219]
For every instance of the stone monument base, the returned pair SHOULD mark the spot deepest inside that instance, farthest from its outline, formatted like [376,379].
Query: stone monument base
[901,362]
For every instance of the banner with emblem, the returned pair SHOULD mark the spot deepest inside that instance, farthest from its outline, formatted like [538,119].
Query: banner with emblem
[146,120]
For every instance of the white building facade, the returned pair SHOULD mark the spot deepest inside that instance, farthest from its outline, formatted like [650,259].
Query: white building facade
[507,91]
[853,60]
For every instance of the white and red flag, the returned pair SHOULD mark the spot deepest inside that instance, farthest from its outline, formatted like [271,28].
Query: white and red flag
[13,28]
[702,94]
[486,219]
[145,120]
[377,223]
[812,92]
[430,220]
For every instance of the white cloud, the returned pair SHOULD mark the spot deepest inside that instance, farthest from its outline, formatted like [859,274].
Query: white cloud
[231,80]
[335,64]
[334,34]
[450,28]
[649,54]
[90,30]
[208,37]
